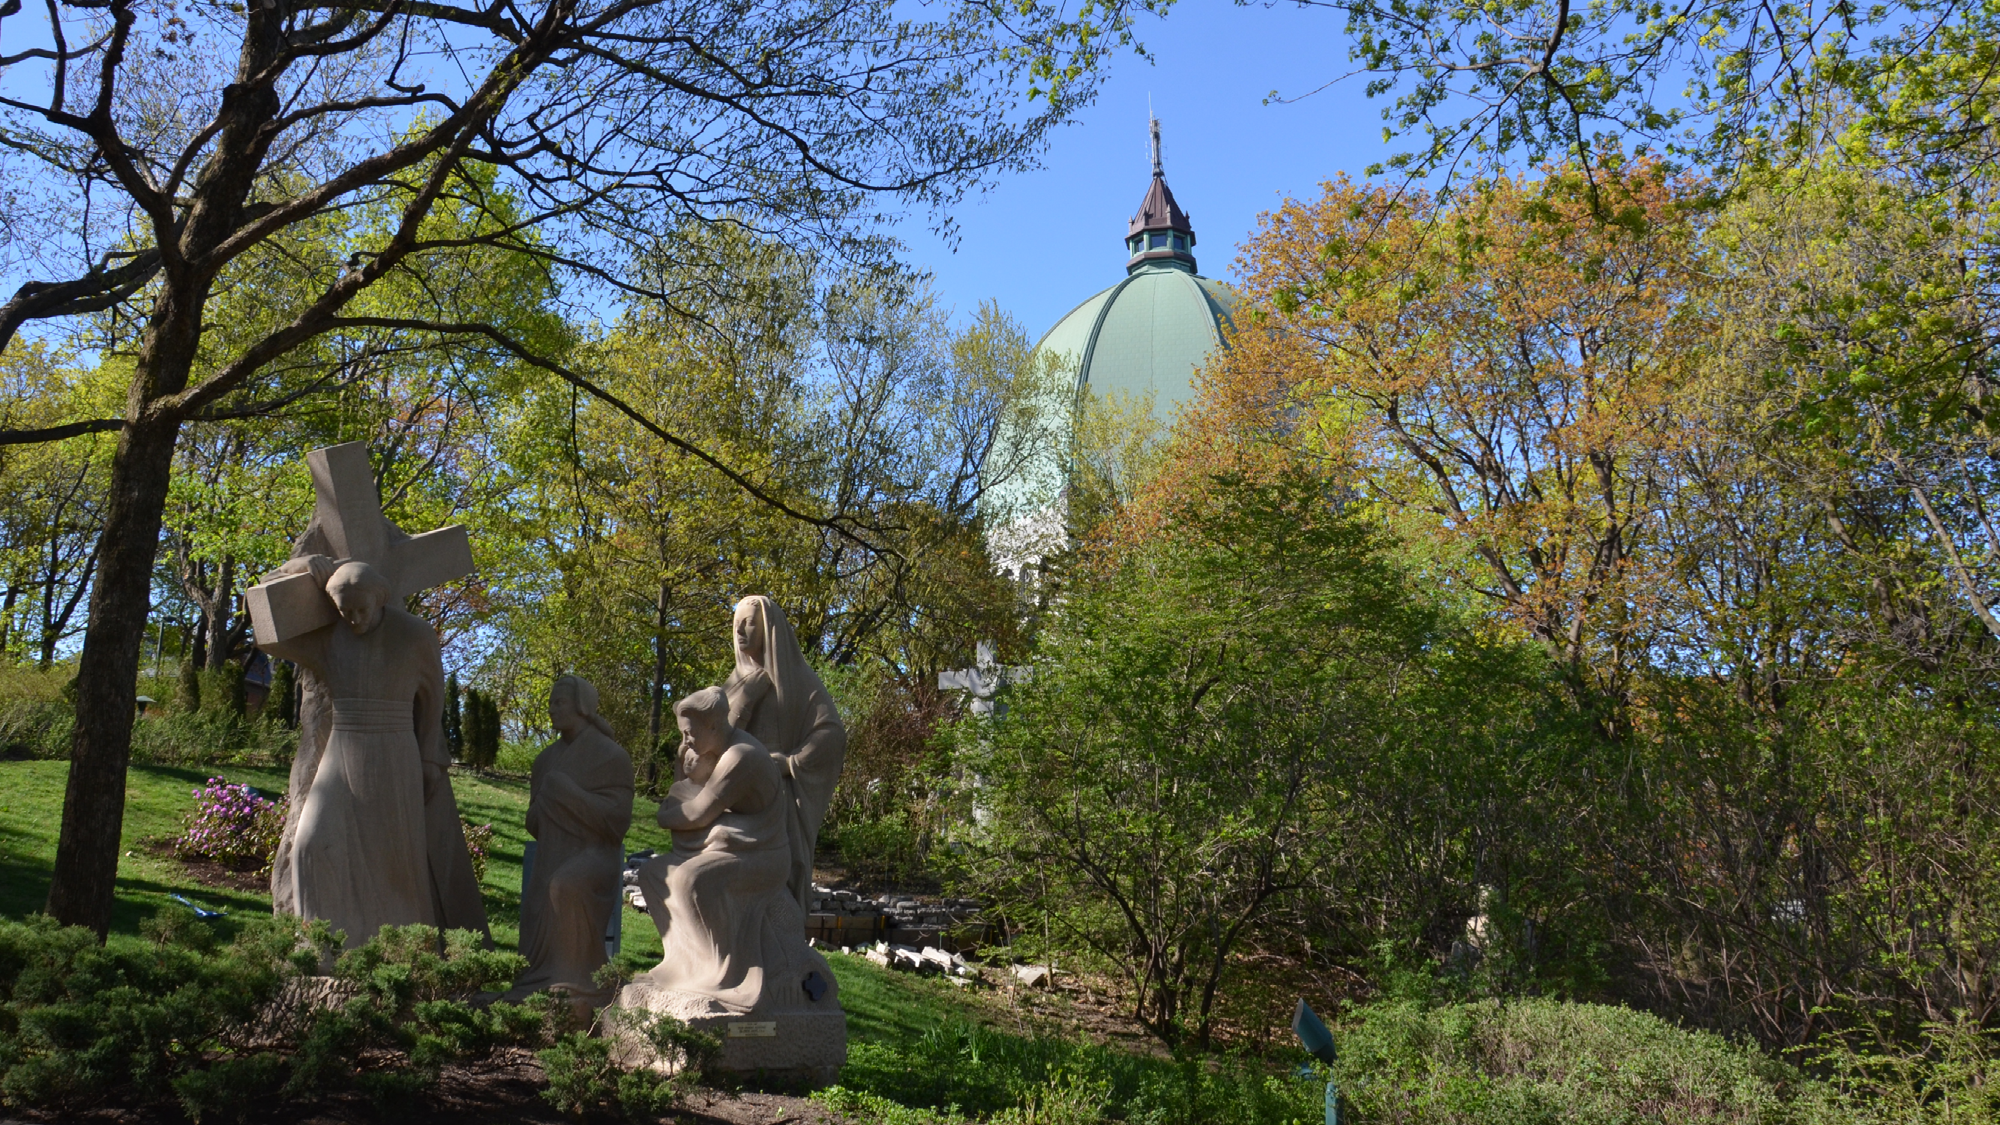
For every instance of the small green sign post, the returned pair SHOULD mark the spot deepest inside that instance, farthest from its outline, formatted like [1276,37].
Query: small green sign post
[1318,1042]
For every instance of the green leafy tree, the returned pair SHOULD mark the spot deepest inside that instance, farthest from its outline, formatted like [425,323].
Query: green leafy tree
[1196,765]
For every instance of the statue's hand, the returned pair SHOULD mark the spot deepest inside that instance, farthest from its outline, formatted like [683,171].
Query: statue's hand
[563,791]
[434,776]
[319,566]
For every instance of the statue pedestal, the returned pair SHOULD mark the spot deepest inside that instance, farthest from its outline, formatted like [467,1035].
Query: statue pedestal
[792,1045]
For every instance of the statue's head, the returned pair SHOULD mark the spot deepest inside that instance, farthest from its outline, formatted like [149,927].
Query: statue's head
[360,593]
[749,628]
[704,722]
[572,704]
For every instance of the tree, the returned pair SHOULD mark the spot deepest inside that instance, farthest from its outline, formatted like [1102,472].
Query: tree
[50,508]
[1499,373]
[222,136]
[1728,84]
[1224,725]
[1760,436]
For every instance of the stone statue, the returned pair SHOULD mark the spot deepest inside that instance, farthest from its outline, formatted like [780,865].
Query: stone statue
[736,961]
[361,857]
[373,836]
[579,806]
[777,697]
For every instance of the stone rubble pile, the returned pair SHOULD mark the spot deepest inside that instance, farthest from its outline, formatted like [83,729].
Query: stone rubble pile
[842,918]
[927,961]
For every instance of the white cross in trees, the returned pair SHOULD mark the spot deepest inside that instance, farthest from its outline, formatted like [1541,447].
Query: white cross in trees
[348,510]
[983,680]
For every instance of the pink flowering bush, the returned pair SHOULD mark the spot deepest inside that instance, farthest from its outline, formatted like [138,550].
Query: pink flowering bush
[232,825]
[478,842]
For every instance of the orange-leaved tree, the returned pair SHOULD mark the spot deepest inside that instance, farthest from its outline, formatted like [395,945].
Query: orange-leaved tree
[1497,372]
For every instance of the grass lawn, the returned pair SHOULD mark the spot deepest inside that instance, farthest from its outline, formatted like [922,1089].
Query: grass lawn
[157,797]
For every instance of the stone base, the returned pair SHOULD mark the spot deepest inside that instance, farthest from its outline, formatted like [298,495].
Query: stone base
[792,1047]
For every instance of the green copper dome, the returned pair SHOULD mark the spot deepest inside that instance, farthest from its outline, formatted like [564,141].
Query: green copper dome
[1150,332]
[1145,336]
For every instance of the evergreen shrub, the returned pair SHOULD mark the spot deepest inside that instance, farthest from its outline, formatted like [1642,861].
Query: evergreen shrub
[584,1074]
[85,1025]
[224,1029]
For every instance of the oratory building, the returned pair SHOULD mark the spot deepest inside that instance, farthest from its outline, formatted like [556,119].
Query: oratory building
[1144,336]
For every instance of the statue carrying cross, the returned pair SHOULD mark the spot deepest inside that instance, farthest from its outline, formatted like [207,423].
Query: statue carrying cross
[348,514]
[373,836]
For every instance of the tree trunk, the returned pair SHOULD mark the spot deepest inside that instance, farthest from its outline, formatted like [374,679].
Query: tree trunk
[48,655]
[659,695]
[7,620]
[199,656]
[219,612]
[107,678]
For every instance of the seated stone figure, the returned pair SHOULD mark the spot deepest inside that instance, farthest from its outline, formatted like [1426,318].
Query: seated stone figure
[734,939]
[579,806]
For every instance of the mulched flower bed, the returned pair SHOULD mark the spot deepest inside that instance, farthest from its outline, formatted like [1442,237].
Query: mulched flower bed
[248,876]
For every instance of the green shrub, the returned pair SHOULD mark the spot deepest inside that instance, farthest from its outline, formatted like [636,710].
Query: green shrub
[958,1070]
[517,757]
[36,728]
[36,720]
[210,738]
[84,1024]
[885,850]
[1525,1062]
[1951,1076]
[587,1072]
[179,1016]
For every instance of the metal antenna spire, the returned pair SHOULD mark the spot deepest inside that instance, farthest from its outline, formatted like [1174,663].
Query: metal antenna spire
[1155,122]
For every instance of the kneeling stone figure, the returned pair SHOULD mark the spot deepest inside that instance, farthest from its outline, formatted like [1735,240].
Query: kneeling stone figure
[736,962]
[579,807]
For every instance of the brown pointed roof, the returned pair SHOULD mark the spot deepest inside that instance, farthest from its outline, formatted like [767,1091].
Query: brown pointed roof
[1158,211]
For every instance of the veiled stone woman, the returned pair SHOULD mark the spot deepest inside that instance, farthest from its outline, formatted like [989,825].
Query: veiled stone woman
[775,696]
[579,806]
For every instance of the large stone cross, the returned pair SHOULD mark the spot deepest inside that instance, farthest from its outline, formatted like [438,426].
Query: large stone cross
[349,512]
[983,680]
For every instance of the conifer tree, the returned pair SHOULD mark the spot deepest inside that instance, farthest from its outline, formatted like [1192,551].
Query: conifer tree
[284,689]
[489,731]
[472,728]
[187,693]
[454,726]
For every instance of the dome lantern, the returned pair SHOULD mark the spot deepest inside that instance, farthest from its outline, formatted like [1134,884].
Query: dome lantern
[1160,234]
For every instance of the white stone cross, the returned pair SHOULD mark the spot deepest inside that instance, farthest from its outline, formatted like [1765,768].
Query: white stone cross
[983,680]
[349,512]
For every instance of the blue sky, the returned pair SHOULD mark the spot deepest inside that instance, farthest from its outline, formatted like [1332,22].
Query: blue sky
[1041,242]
